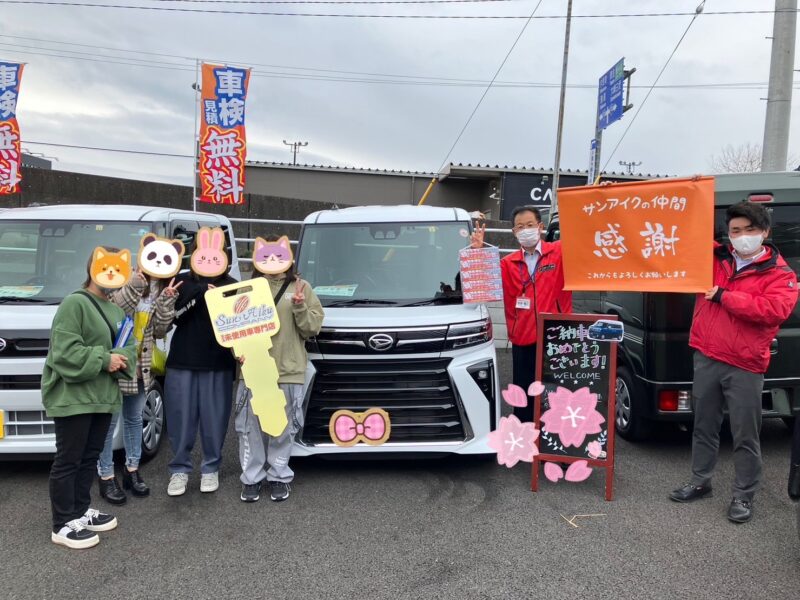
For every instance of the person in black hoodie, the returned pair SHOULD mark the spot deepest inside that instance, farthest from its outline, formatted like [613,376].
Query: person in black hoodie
[199,381]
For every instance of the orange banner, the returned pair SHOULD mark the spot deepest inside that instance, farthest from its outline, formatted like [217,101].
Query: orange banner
[647,236]
[223,145]
[10,151]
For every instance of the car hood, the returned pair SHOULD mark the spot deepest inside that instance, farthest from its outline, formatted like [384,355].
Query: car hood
[26,320]
[384,317]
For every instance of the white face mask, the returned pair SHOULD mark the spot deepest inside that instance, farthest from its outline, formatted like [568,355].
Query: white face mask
[528,238]
[747,244]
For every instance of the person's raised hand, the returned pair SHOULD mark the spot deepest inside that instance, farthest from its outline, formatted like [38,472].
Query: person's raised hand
[172,289]
[141,276]
[299,297]
[478,234]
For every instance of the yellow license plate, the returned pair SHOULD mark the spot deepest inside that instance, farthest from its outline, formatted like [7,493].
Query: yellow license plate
[2,424]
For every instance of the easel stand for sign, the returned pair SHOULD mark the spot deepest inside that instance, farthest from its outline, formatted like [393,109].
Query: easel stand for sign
[551,325]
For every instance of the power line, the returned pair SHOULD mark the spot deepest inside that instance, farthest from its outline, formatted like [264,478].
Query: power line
[377,16]
[385,78]
[652,87]
[488,87]
[163,154]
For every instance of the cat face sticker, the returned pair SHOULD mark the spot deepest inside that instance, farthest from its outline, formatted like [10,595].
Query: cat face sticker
[160,257]
[209,258]
[110,270]
[272,258]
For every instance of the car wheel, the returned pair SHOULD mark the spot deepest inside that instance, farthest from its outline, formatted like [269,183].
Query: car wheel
[629,422]
[153,422]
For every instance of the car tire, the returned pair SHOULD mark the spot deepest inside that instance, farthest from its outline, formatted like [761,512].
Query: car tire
[154,424]
[629,421]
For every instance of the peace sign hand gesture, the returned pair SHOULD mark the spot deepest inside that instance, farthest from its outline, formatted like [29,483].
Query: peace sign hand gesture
[172,289]
[476,239]
[299,297]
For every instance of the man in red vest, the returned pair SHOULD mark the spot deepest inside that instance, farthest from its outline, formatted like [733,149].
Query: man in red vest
[732,331]
[533,283]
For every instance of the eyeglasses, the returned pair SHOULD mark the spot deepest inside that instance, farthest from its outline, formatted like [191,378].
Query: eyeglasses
[528,225]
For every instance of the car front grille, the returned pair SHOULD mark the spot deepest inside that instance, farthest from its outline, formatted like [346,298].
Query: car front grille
[24,347]
[20,382]
[417,394]
[27,422]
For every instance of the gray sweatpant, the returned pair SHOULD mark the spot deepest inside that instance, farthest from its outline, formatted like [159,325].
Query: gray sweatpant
[197,400]
[257,450]
[715,385]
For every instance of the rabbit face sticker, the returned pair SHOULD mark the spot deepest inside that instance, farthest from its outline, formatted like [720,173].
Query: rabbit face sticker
[209,258]
[272,258]
[159,257]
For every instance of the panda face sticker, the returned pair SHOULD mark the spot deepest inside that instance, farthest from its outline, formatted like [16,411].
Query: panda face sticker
[159,257]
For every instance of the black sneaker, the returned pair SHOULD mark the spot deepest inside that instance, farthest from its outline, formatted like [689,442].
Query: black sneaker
[75,535]
[251,492]
[94,520]
[279,491]
[740,511]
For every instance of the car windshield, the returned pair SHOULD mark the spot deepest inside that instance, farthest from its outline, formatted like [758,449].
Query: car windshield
[43,261]
[398,264]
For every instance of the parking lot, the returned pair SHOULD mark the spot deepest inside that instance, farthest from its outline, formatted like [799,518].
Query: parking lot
[449,528]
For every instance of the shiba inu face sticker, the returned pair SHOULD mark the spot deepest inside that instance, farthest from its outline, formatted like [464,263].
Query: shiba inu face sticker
[159,257]
[110,270]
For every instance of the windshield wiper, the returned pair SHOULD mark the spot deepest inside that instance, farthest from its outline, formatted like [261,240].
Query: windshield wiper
[433,301]
[358,301]
[5,299]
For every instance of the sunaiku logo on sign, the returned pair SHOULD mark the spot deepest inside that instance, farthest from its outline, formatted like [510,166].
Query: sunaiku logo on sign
[245,317]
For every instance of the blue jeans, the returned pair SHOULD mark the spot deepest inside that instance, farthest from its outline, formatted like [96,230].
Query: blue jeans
[131,434]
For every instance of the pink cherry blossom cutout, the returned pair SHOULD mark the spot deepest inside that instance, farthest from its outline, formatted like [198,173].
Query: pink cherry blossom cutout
[578,471]
[535,388]
[594,449]
[553,471]
[572,415]
[514,441]
[515,396]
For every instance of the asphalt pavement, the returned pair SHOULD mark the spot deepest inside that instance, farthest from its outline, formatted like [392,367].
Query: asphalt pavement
[447,528]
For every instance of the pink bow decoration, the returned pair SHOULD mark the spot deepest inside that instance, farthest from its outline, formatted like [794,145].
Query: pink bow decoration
[371,427]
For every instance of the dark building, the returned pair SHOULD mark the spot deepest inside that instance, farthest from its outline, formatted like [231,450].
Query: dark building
[494,191]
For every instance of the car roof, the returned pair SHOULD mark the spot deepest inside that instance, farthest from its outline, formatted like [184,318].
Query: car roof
[101,212]
[731,188]
[388,214]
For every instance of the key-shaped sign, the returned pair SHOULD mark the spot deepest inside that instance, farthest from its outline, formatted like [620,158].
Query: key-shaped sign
[244,318]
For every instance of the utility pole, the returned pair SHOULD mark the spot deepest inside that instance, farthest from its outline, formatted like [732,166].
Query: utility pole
[779,101]
[630,165]
[295,146]
[560,129]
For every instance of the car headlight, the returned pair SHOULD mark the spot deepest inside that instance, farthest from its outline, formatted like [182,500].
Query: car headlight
[462,335]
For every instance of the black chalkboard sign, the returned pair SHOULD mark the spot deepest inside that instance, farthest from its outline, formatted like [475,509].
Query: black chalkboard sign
[576,365]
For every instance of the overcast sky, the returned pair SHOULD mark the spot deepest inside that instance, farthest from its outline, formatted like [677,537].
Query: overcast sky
[394,125]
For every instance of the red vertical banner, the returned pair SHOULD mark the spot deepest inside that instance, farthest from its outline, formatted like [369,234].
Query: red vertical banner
[10,151]
[223,145]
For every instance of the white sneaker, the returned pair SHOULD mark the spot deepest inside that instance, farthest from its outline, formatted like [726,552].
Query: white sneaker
[94,520]
[75,535]
[177,484]
[209,482]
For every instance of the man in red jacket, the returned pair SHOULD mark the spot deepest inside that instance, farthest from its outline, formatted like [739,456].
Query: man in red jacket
[533,283]
[732,330]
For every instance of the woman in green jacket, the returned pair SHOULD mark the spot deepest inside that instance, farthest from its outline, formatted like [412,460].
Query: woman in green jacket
[79,392]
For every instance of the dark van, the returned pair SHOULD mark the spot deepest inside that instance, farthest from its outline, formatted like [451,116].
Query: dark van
[654,378]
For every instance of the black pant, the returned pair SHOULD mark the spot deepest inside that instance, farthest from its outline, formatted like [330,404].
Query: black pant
[523,360]
[79,440]
[796,442]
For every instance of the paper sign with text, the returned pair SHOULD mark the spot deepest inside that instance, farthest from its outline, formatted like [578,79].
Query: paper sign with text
[481,280]
[647,236]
